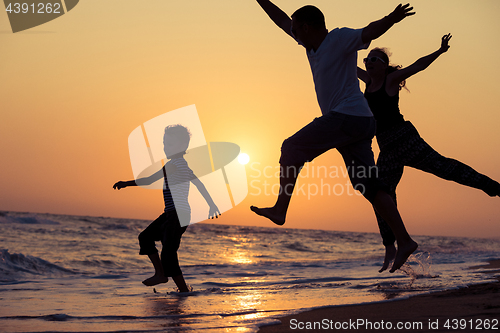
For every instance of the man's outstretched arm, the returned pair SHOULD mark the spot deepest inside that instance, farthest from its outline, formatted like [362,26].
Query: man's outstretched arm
[279,17]
[376,29]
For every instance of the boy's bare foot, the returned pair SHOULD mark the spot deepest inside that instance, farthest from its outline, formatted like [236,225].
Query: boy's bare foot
[186,289]
[270,213]
[404,251]
[154,280]
[390,254]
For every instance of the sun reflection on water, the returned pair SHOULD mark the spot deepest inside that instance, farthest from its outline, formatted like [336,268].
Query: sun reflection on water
[240,251]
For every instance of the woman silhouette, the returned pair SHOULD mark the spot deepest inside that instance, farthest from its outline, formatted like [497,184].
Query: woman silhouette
[399,142]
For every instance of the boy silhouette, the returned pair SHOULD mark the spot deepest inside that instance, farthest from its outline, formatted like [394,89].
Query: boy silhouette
[347,123]
[171,225]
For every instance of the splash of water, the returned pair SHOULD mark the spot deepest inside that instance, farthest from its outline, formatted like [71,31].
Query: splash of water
[421,270]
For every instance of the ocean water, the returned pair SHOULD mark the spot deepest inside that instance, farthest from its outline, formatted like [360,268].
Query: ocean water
[62,273]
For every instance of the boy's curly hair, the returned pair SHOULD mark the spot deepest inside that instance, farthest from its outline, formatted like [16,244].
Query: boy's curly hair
[179,132]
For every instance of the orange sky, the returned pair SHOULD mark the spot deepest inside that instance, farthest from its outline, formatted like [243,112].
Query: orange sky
[74,88]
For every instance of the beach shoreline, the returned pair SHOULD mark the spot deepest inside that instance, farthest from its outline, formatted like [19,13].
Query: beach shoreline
[243,277]
[467,309]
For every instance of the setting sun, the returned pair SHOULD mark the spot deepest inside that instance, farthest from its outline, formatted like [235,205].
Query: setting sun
[243,158]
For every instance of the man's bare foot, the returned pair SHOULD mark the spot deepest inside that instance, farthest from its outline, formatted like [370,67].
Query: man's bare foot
[390,254]
[404,251]
[154,280]
[270,213]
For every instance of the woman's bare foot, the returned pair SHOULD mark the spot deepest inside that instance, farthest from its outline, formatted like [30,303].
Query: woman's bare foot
[154,280]
[270,213]
[404,251]
[390,254]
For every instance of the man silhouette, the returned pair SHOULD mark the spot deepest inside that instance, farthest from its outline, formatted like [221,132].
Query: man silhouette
[347,123]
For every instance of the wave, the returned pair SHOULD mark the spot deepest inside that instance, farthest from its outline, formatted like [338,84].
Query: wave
[66,317]
[15,266]
[298,283]
[110,276]
[28,219]
[298,246]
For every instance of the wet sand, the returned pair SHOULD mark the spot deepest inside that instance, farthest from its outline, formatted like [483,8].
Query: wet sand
[468,309]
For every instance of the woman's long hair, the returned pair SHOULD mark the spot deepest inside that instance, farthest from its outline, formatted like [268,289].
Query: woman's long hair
[390,67]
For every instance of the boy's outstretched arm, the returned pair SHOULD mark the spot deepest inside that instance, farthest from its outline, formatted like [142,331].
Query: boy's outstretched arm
[213,211]
[279,17]
[139,182]
[376,29]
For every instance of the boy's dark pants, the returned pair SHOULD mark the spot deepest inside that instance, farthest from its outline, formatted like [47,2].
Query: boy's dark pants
[166,228]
